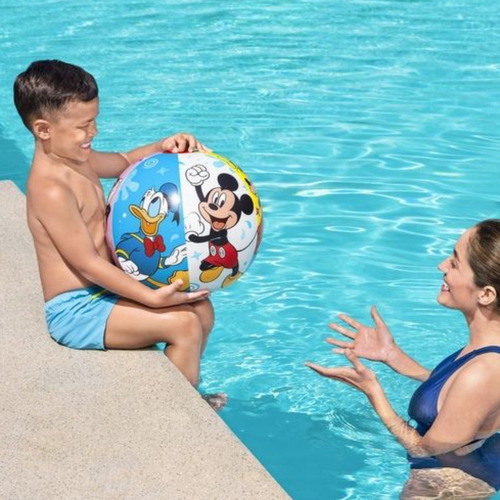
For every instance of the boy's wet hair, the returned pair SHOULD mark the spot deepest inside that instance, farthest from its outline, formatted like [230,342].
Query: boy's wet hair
[47,86]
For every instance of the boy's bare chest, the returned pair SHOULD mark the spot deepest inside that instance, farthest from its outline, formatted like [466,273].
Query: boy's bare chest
[91,200]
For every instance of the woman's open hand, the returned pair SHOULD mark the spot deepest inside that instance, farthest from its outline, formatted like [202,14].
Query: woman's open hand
[358,376]
[374,343]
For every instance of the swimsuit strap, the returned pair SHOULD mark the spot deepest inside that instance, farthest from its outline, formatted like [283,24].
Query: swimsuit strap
[457,362]
[476,352]
[423,404]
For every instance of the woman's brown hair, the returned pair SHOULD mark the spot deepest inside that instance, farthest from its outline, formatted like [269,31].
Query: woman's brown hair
[484,255]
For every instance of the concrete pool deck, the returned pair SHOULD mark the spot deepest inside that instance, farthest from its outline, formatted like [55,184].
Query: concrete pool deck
[101,425]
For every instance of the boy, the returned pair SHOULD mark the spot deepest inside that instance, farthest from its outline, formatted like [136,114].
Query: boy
[90,303]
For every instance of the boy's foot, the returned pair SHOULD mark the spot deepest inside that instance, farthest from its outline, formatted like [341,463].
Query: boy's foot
[217,401]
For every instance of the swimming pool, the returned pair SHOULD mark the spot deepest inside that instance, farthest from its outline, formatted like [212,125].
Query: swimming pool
[370,129]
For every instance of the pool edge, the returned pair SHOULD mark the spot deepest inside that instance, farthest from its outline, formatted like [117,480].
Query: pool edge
[115,424]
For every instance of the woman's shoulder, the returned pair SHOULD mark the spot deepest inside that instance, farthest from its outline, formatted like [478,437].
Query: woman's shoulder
[483,369]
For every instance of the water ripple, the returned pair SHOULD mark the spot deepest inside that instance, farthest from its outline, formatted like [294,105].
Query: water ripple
[371,132]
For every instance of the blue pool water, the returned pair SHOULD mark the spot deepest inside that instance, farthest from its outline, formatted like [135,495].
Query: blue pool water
[370,129]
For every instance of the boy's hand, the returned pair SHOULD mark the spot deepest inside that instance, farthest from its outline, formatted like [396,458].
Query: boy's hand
[182,143]
[170,295]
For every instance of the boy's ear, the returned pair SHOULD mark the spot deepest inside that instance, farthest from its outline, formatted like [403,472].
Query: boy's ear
[41,129]
[487,295]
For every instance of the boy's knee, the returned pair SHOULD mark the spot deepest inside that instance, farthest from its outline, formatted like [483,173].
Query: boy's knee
[205,312]
[190,329]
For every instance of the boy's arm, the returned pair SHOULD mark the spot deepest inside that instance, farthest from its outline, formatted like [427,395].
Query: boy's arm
[58,212]
[108,165]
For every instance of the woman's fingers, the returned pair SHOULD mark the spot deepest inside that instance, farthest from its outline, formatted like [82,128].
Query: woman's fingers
[376,317]
[350,321]
[340,343]
[349,354]
[327,371]
[322,370]
[343,374]
[344,331]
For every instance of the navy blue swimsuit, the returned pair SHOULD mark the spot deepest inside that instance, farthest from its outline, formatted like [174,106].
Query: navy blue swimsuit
[483,463]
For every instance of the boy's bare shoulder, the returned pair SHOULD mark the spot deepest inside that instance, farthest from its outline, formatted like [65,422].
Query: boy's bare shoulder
[46,189]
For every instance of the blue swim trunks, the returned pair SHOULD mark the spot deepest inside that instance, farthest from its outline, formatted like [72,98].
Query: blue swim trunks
[78,318]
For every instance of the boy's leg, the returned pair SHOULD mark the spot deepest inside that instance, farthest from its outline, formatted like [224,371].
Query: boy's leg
[205,312]
[133,326]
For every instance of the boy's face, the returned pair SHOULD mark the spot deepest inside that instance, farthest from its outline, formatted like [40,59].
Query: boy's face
[72,130]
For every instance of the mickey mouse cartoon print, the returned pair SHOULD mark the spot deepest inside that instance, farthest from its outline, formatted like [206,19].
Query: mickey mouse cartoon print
[222,208]
[190,216]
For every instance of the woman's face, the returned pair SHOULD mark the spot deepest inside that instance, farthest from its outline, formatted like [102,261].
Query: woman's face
[458,290]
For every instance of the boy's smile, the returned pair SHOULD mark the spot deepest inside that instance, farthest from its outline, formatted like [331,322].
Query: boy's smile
[71,131]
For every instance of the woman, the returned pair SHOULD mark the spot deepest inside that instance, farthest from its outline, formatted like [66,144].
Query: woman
[455,446]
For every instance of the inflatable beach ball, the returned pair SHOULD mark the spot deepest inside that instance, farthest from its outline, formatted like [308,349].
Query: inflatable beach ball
[190,216]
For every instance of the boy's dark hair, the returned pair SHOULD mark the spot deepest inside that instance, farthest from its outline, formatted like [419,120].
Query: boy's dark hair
[48,86]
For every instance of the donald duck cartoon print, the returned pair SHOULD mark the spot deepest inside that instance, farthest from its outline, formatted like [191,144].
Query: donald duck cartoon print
[140,254]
